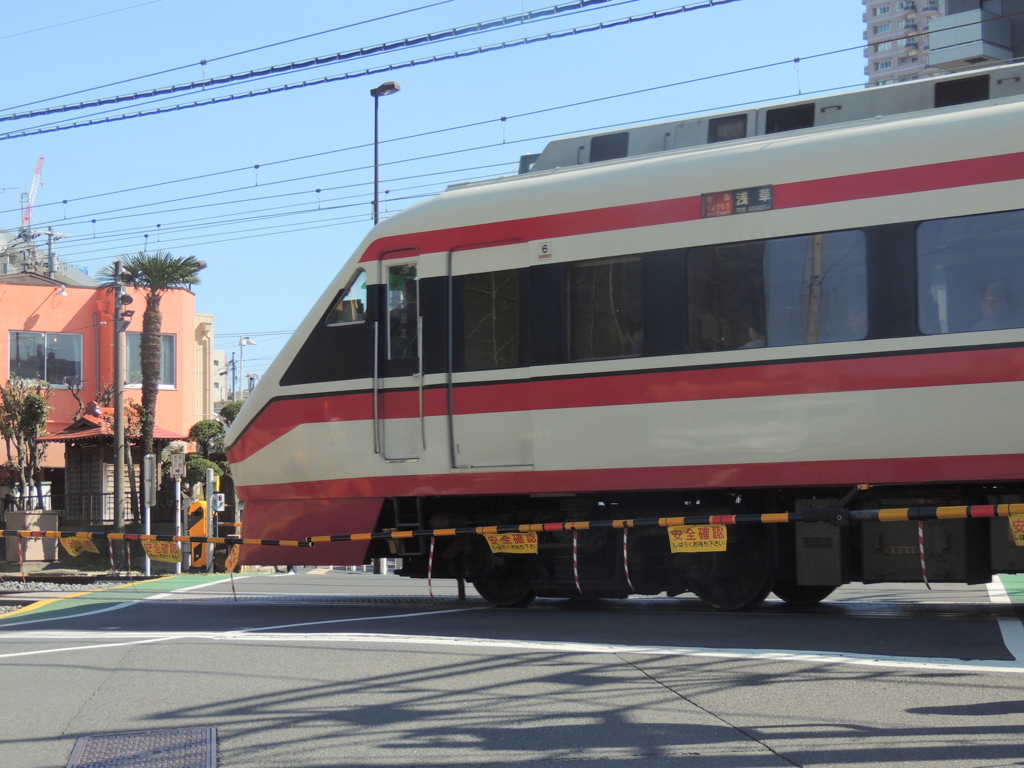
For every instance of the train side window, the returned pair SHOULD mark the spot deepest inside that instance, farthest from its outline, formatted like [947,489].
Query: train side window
[491,320]
[609,146]
[403,313]
[790,118]
[808,289]
[971,273]
[964,90]
[606,313]
[350,306]
[727,128]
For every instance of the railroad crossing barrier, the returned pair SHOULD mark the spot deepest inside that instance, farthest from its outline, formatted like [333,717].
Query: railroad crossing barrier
[833,516]
[687,533]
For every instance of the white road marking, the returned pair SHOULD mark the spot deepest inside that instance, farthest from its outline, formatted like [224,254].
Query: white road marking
[1012,631]
[82,648]
[786,657]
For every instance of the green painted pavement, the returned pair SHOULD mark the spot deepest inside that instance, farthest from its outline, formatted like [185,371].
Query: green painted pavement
[1014,586]
[77,603]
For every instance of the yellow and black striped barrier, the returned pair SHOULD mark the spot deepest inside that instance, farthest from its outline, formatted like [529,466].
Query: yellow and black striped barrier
[834,516]
[100,535]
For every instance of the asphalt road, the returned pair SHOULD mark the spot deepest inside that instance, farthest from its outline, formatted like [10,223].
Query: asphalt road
[330,668]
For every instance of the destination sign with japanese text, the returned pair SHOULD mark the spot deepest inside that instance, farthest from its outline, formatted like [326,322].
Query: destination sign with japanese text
[729,203]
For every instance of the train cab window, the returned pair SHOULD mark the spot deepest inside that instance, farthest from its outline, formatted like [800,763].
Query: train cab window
[350,306]
[606,317]
[727,128]
[403,313]
[491,320]
[808,289]
[971,273]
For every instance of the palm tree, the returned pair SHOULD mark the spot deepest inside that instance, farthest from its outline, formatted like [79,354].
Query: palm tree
[155,274]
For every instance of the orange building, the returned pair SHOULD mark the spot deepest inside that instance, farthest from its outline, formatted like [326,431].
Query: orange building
[64,334]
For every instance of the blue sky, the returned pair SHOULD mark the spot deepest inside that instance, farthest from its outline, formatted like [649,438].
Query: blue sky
[187,179]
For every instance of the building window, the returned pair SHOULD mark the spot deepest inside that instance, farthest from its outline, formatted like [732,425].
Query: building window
[168,361]
[884,46]
[606,317]
[52,357]
[882,28]
[793,290]
[881,10]
[887,64]
[970,273]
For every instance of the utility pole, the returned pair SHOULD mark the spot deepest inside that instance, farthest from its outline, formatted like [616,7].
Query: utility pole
[121,320]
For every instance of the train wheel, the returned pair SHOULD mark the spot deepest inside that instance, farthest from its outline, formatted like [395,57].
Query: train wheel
[734,580]
[505,587]
[801,594]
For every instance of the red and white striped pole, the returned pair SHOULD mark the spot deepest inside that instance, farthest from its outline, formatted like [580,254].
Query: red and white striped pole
[575,561]
[920,546]
[625,557]
[430,568]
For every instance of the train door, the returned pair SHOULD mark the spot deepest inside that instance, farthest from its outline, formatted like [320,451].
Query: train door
[398,385]
[488,382]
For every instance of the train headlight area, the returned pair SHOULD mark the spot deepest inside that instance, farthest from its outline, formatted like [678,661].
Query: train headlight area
[729,561]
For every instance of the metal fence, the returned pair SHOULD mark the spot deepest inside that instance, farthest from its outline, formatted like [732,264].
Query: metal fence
[84,509]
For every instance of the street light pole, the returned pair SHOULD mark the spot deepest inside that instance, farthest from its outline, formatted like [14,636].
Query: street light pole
[384,89]
[243,342]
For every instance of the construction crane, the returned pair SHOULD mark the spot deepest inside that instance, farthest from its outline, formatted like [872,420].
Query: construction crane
[30,199]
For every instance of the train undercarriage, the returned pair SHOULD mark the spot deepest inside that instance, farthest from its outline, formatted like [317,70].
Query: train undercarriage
[801,562]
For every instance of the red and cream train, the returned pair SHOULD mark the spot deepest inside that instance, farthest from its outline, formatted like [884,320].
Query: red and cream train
[758,311]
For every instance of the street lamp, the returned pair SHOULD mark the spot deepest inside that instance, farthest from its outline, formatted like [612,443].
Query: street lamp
[243,342]
[384,89]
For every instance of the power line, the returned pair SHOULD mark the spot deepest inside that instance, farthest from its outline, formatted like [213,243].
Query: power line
[305,192]
[75,21]
[278,69]
[205,62]
[601,26]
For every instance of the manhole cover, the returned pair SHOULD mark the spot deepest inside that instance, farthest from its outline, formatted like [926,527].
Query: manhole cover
[173,748]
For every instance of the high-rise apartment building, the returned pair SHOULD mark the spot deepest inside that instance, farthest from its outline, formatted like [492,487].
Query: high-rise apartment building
[909,39]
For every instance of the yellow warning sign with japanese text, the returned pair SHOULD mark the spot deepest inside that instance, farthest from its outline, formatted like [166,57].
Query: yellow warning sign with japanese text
[163,551]
[75,547]
[512,543]
[231,561]
[697,538]
[1017,529]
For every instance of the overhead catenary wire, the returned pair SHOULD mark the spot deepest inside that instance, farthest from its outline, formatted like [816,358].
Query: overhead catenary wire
[208,61]
[505,45]
[209,85]
[278,69]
